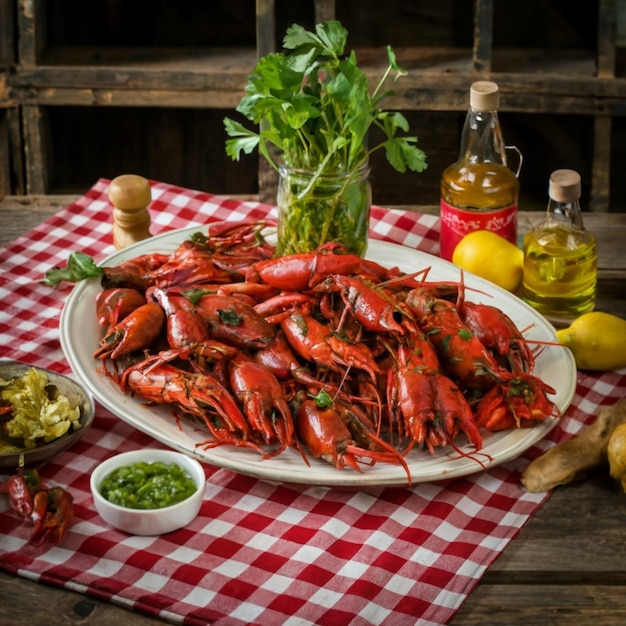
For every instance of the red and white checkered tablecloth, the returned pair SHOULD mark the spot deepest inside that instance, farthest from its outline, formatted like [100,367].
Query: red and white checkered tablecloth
[258,553]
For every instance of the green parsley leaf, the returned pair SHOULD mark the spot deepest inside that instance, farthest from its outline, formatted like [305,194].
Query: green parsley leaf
[230,317]
[323,399]
[246,141]
[313,105]
[79,267]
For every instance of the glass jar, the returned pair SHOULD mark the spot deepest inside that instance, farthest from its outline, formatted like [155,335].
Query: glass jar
[314,209]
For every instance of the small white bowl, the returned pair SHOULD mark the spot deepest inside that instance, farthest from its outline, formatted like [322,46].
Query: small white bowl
[148,521]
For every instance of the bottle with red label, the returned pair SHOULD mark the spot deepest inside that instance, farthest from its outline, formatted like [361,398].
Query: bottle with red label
[480,191]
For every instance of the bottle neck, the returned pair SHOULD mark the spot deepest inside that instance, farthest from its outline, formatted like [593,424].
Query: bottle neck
[481,140]
[569,211]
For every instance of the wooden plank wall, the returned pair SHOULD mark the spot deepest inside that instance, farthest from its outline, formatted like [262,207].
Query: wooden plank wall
[171,100]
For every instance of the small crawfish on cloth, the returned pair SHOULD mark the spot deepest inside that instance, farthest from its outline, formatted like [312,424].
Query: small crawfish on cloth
[49,509]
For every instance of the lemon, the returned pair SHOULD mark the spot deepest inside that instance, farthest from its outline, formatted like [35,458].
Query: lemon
[597,340]
[492,257]
[617,454]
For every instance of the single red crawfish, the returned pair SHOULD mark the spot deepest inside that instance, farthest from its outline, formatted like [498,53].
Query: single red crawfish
[233,320]
[50,510]
[263,400]
[329,438]
[136,273]
[296,272]
[497,331]
[189,265]
[187,330]
[369,304]
[195,393]
[520,403]
[315,342]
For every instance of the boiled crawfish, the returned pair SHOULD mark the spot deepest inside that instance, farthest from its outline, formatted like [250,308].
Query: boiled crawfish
[428,406]
[116,303]
[263,401]
[330,433]
[194,393]
[507,398]
[49,509]
[250,342]
[137,330]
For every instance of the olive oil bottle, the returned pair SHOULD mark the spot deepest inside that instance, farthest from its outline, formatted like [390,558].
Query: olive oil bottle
[479,191]
[560,256]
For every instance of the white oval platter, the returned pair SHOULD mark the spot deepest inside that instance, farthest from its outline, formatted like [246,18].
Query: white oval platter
[80,333]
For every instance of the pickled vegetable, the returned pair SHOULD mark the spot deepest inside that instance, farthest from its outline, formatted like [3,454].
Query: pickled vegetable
[34,413]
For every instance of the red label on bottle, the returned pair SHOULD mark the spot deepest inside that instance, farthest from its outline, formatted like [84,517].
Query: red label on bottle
[456,223]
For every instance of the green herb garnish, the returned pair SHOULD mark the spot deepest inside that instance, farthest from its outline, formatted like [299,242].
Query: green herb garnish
[323,399]
[465,334]
[230,317]
[79,267]
[314,108]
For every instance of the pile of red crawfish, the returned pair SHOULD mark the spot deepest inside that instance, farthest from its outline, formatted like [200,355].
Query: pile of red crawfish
[324,352]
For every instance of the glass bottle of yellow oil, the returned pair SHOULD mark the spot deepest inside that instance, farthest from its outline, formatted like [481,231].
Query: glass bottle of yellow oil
[479,191]
[560,256]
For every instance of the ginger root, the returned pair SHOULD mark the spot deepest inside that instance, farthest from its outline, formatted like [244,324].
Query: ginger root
[617,454]
[571,459]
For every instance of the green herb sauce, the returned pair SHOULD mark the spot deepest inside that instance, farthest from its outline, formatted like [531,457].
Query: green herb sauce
[147,485]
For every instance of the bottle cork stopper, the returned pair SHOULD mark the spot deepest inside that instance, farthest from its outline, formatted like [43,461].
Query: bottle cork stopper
[564,186]
[484,96]
[130,196]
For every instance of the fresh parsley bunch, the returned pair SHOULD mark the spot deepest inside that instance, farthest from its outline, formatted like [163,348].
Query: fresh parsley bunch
[313,105]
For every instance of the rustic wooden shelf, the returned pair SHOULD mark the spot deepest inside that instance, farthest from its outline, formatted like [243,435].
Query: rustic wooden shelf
[556,81]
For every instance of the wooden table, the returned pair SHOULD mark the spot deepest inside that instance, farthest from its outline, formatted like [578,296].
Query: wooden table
[566,567]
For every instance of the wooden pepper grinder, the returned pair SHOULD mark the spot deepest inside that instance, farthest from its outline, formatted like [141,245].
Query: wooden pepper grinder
[130,196]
